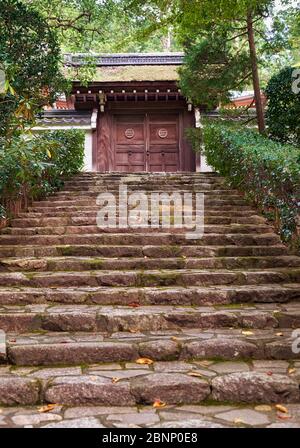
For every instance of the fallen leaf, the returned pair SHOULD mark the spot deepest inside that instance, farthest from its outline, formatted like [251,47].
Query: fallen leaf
[279,334]
[263,408]
[291,371]
[93,378]
[115,380]
[159,404]
[134,304]
[283,416]
[247,333]
[47,408]
[238,421]
[281,408]
[145,361]
[204,363]
[197,374]
[269,373]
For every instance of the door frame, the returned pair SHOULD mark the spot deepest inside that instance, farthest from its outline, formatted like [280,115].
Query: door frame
[104,145]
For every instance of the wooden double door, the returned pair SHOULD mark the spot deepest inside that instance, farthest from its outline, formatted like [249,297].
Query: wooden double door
[146,142]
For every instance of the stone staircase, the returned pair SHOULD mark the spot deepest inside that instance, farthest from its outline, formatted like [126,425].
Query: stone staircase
[124,317]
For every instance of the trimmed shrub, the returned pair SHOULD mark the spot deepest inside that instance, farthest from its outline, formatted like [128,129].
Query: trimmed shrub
[267,171]
[283,113]
[34,167]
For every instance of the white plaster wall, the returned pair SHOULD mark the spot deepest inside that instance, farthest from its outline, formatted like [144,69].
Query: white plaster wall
[204,167]
[88,151]
[201,163]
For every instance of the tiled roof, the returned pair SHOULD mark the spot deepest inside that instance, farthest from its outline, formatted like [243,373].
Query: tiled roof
[121,59]
[64,118]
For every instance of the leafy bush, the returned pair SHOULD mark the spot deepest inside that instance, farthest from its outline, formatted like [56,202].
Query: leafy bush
[267,171]
[283,114]
[30,58]
[36,166]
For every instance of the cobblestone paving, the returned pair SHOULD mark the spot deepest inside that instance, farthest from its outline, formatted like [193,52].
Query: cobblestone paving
[126,387]
[186,416]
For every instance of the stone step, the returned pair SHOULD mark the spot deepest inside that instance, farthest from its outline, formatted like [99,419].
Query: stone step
[90,229]
[114,390]
[224,307]
[64,348]
[143,278]
[113,319]
[91,196]
[211,200]
[143,177]
[150,238]
[154,180]
[95,191]
[137,296]
[225,212]
[146,180]
[91,220]
[207,189]
[147,187]
[149,251]
[86,210]
[90,263]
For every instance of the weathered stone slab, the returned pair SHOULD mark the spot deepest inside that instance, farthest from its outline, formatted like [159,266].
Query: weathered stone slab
[191,423]
[245,416]
[71,353]
[172,388]
[160,350]
[253,387]
[221,348]
[94,390]
[89,422]
[15,391]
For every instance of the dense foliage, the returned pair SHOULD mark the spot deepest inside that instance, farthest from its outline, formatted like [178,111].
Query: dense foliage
[283,114]
[36,166]
[98,26]
[268,172]
[212,69]
[29,56]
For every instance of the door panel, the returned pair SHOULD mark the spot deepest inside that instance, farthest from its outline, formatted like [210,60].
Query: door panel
[163,142]
[146,142]
[130,139]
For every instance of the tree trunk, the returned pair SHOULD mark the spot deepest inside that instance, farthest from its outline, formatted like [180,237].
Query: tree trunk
[166,41]
[255,77]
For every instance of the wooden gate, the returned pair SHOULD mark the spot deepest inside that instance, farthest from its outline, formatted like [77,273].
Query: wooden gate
[146,142]
[137,139]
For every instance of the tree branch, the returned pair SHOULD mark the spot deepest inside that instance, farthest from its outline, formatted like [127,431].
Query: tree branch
[235,37]
[249,120]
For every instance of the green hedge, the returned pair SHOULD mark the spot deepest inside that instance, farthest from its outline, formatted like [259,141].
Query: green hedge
[36,166]
[267,171]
